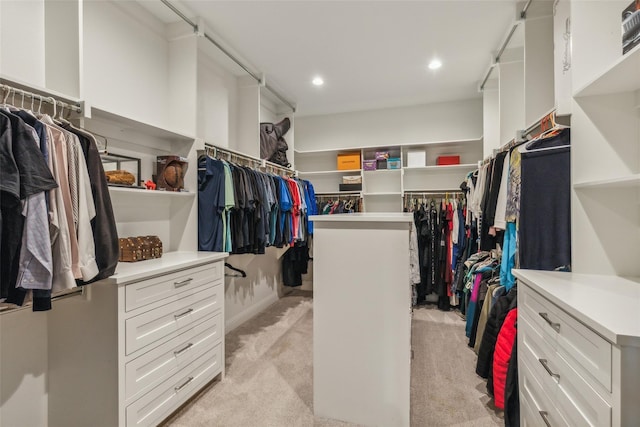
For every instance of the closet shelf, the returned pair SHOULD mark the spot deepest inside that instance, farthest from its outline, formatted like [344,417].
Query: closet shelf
[389,193]
[383,170]
[127,124]
[140,192]
[132,271]
[329,172]
[467,166]
[331,193]
[622,76]
[430,190]
[632,181]
[608,300]
[409,145]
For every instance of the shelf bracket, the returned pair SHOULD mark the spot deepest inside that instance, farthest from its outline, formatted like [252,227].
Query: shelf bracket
[199,28]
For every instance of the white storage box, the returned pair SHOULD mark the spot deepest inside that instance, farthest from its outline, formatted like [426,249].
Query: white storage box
[352,179]
[416,158]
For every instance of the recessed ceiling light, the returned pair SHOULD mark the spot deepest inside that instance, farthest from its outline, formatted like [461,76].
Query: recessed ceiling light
[435,64]
[317,81]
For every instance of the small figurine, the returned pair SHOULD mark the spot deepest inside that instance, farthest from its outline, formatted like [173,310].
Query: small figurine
[150,185]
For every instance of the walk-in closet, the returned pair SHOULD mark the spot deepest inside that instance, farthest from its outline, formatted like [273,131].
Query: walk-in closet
[319,213]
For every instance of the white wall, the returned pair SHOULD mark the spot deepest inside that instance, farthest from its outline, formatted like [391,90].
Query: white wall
[491,115]
[126,61]
[23,368]
[23,61]
[394,126]
[247,297]
[217,92]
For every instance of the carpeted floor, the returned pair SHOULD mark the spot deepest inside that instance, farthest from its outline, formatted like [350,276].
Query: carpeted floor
[269,375]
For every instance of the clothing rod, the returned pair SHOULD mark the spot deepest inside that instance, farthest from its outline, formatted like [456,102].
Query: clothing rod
[11,309]
[432,193]
[48,99]
[551,118]
[523,15]
[337,195]
[229,54]
[258,162]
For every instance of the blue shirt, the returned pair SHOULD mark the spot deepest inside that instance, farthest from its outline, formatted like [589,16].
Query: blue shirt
[211,205]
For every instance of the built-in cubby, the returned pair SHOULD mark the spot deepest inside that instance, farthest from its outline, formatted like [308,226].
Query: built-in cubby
[606,156]
[47,55]
[382,189]
[521,88]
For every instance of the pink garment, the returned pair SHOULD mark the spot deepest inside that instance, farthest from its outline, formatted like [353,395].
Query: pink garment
[476,287]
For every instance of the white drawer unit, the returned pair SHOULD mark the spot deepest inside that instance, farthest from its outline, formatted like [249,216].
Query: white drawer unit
[170,287]
[153,367]
[154,335]
[578,349]
[169,319]
[164,399]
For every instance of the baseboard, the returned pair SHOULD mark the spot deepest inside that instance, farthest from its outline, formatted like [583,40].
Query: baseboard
[249,313]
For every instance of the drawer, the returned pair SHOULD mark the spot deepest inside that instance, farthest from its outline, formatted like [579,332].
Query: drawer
[533,339]
[156,405]
[148,370]
[170,286]
[572,339]
[161,322]
[540,399]
[529,417]
[577,401]
[584,349]
[540,312]
[541,358]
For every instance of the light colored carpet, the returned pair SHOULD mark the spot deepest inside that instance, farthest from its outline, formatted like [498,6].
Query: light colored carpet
[445,390]
[269,375]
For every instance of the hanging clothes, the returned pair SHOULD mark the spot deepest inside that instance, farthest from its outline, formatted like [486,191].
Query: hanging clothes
[242,210]
[545,206]
[105,235]
[55,209]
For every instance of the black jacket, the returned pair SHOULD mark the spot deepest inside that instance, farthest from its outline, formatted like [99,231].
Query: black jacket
[498,312]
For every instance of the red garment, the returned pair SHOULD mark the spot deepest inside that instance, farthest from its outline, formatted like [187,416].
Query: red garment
[502,355]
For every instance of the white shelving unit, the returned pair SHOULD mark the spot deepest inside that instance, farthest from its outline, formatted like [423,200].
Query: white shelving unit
[141,192]
[331,172]
[174,91]
[621,76]
[381,188]
[606,158]
[632,182]
[441,168]
[522,86]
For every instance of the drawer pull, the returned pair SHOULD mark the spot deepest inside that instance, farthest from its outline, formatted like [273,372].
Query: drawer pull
[545,365]
[545,417]
[182,350]
[183,283]
[183,385]
[177,316]
[554,325]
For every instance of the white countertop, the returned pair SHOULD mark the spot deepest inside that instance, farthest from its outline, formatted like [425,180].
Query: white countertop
[171,261]
[364,217]
[610,305]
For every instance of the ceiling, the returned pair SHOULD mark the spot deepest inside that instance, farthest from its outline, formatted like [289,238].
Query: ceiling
[371,54]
